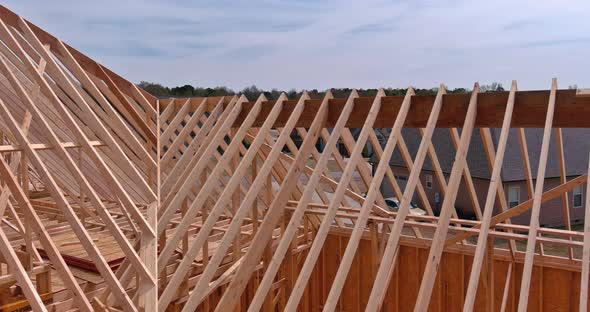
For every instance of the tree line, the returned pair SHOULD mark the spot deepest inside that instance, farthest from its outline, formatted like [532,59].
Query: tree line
[252,92]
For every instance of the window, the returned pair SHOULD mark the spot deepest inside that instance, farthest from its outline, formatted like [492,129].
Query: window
[429,181]
[401,181]
[392,204]
[578,197]
[513,195]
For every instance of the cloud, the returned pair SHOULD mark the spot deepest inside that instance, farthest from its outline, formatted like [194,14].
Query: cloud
[319,44]
[371,28]
[519,25]
[560,42]
[249,53]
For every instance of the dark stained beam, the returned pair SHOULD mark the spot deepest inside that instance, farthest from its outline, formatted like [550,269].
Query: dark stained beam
[572,111]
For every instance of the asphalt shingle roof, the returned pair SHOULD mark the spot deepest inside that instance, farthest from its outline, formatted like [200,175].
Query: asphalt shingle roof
[576,149]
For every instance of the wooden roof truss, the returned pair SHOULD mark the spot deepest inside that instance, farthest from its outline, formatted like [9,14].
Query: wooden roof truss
[210,204]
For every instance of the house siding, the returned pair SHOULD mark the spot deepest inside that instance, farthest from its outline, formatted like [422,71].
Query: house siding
[551,211]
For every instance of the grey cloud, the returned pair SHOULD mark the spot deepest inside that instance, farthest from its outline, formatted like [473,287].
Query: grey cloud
[560,42]
[371,28]
[518,25]
[320,44]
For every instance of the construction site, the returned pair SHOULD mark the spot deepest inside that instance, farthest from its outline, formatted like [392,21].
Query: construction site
[112,199]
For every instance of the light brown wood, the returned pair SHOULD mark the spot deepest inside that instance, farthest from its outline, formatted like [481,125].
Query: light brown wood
[534,226]
[565,204]
[489,205]
[218,209]
[384,272]
[366,208]
[440,234]
[273,214]
[221,203]
[585,253]
[296,217]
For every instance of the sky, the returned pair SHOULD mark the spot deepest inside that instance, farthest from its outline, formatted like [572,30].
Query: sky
[322,44]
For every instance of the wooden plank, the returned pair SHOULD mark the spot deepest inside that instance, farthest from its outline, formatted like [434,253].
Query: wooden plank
[565,204]
[468,180]
[407,158]
[218,208]
[20,274]
[522,207]
[385,268]
[12,19]
[184,133]
[585,253]
[489,204]
[298,214]
[442,228]
[252,257]
[526,163]
[50,182]
[191,173]
[42,146]
[536,209]
[374,188]
[205,190]
[115,121]
[572,111]
[488,143]
[76,171]
[148,292]
[179,181]
[52,252]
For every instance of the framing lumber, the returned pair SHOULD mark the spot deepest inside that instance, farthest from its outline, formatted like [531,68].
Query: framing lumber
[223,203]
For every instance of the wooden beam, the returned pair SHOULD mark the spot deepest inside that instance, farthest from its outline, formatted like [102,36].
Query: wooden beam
[218,209]
[42,146]
[12,19]
[179,181]
[298,214]
[76,171]
[205,190]
[571,110]
[489,205]
[585,252]
[44,237]
[179,141]
[385,270]
[489,149]
[55,190]
[565,204]
[251,259]
[434,257]
[522,207]
[467,179]
[115,119]
[523,300]
[20,274]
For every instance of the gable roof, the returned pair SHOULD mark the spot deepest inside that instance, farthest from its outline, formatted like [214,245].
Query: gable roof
[576,146]
[576,142]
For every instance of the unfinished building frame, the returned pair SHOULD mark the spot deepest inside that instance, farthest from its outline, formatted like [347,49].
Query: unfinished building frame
[114,200]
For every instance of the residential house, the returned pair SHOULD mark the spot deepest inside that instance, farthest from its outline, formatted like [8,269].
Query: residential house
[576,144]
